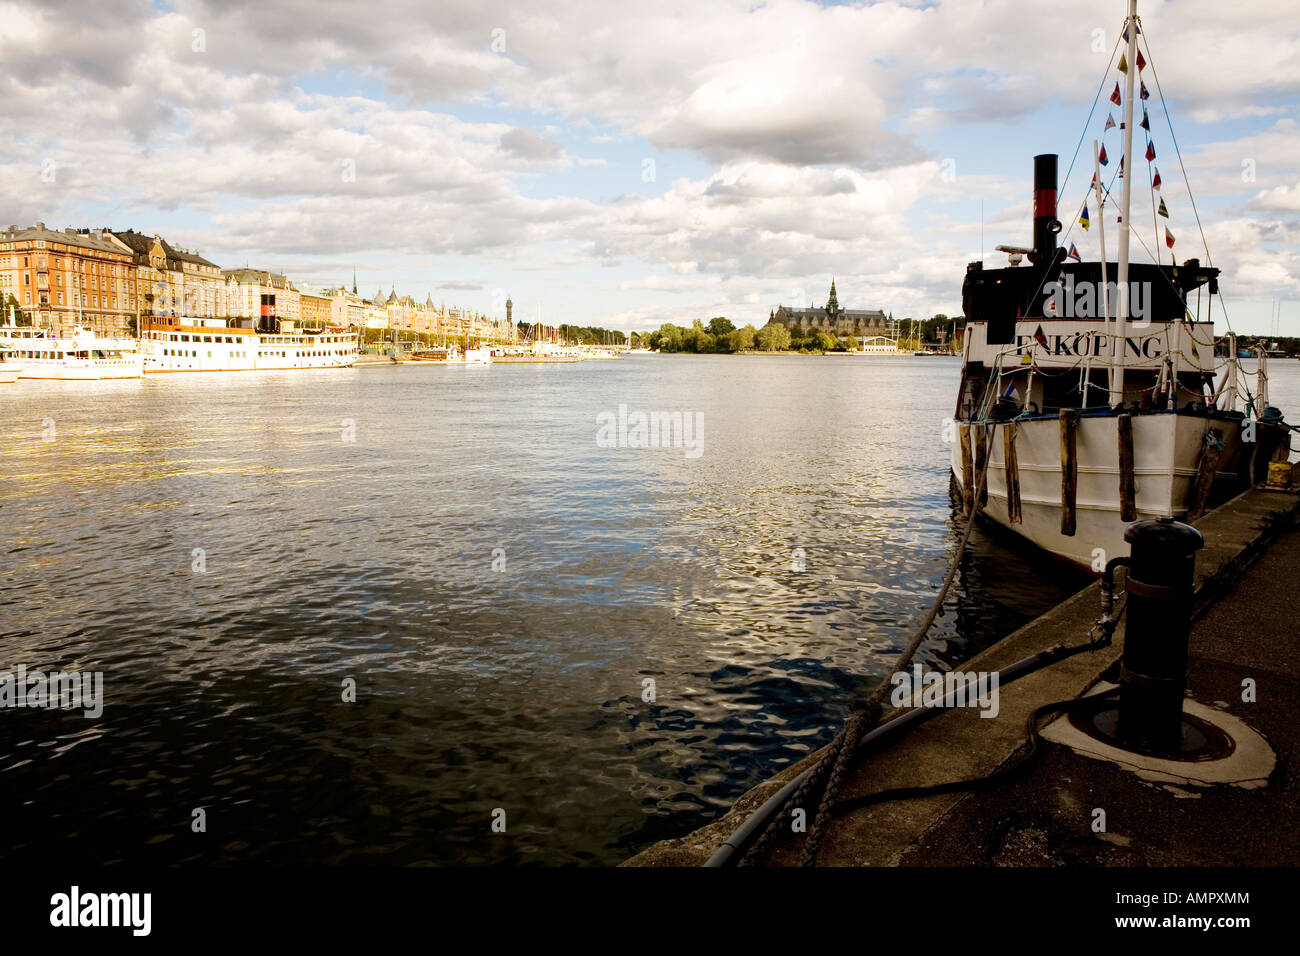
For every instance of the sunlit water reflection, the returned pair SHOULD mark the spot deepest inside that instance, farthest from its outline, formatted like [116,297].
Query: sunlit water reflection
[478,688]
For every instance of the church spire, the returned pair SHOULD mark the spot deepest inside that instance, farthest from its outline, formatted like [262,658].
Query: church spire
[354,280]
[833,303]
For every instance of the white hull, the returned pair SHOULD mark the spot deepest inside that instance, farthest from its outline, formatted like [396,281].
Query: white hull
[1166,448]
[220,349]
[478,356]
[81,357]
[77,371]
[9,373]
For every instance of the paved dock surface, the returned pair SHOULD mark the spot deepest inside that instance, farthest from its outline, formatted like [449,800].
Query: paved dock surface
[1044,818]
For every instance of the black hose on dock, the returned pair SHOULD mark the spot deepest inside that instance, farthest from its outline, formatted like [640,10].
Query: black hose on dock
[744,835]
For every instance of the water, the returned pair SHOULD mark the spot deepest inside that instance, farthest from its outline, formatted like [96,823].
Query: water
[372,560]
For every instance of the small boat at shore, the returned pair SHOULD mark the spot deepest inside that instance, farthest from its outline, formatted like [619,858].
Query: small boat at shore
[1090,394]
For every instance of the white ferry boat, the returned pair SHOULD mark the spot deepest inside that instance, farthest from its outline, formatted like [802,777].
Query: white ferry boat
[82,356]
[214,345]
[1091,395]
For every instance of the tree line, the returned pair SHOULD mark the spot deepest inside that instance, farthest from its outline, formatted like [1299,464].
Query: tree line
[720,335]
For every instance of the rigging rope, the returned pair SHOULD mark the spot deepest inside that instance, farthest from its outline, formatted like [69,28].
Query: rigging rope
[1179,153]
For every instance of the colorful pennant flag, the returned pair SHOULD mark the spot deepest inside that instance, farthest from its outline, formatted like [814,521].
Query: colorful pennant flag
[1169,238]
[1142,93]
[1163,210]
[1123,63]
[1110,122]
[1141,62]
[1084,220]
[1121,167]
[1074,253]
[1151,151]
[1101,157]
[1040,337]
[1124,35]
[1115,97]
[1146,123]
[1155,183]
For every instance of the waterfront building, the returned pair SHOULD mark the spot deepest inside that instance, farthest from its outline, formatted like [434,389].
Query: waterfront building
[170,281]
[376,311]
[347,309]
[831,318]
[246,287]
[127,283]
[69,279]
[316,307]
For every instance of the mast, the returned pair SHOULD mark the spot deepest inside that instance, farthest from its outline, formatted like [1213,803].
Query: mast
[1118,356]
[1105,266]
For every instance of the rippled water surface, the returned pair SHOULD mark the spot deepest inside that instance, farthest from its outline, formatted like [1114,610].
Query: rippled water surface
[477,688]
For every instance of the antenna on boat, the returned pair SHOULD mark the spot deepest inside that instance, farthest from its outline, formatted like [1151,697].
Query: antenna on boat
[1118,357]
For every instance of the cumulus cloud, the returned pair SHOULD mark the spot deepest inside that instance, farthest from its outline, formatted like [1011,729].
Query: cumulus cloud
[523,143]
[804,139]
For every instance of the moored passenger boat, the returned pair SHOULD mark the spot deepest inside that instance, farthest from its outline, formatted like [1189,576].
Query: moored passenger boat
[1090,394]
[82,356]
[217,345]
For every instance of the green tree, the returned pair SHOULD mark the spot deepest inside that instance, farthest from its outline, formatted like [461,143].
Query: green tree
[742,339]
[670,338]
[720,326]
[823,340]
[773,337]
[697,338]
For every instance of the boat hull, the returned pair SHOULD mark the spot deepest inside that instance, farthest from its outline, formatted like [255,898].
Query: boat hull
[1167,449]
[77,370]
[83,356]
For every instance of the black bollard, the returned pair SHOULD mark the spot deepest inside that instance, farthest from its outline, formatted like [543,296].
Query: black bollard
[1153,672]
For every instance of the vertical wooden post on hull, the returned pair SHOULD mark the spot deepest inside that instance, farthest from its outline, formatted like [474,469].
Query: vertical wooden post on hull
[967,478]
[1127,480]
[981,461]
[1013,472]
[1211,449]
[1069,419]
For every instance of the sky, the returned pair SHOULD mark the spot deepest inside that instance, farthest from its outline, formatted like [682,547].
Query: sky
[628,164]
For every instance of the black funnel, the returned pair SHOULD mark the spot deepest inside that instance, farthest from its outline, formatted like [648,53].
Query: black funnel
[1046,225]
